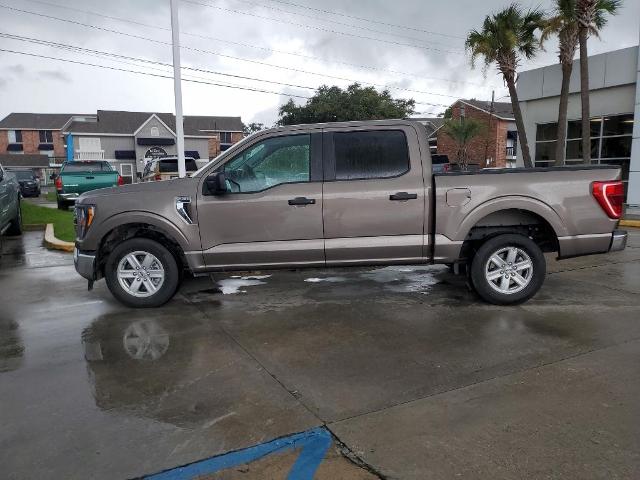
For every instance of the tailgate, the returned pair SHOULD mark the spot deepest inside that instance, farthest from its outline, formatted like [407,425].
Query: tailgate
[84,182]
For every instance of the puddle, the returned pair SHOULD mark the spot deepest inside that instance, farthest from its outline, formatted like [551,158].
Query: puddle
[232,285]
[326,279]
[418,279]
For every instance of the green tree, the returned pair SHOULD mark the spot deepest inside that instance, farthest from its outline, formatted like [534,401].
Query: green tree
[592,17]
[564,24]
[504,39]
[333,104]
[462,132]
[252,127]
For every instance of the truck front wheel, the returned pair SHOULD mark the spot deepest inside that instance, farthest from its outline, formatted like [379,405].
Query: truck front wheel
[508,269]
[142,273]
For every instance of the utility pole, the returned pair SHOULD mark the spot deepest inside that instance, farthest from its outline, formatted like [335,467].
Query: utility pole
[486,142]
[177,87]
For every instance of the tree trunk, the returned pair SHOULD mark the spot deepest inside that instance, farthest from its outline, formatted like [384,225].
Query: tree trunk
[562,114]
[584,95]
[522,135]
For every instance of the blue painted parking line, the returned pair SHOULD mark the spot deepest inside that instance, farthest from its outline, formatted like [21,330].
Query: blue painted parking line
[313,446]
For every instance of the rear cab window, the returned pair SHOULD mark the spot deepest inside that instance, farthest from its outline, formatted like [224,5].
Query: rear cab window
[170,165]
[75,167]
[361,155]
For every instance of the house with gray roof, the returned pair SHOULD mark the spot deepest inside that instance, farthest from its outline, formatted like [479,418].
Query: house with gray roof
[130,139]
[126,139]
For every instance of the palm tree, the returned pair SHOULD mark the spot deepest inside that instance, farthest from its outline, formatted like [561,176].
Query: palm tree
[565,24]
[504,39]
[592,17]
[462,131]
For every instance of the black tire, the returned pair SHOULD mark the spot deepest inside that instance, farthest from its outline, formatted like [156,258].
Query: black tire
[483,286]
[171,273]
[62,205]
[16,224]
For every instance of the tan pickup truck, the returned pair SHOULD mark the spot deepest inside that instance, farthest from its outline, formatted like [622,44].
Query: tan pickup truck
[345,194]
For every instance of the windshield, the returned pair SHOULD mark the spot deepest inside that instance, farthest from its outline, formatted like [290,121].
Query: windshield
[72,167]
[24,174]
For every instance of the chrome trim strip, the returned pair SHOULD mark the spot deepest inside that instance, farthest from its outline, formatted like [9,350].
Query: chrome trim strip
[181,204]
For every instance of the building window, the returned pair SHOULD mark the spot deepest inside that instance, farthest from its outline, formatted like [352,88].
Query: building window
[155,132]
[46,136]
[611,137]
[225,137]
[15,136]
[462,111]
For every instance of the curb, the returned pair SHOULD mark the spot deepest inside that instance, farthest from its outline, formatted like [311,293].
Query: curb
[630,223]
[50,240]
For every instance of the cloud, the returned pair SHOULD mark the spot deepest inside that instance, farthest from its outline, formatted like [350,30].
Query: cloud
[64,87]
[57,75]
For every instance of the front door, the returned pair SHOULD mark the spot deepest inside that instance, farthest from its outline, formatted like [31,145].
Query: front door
[374,196]
[272,214]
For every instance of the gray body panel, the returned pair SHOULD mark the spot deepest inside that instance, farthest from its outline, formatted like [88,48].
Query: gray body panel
[9,198]
[353,222]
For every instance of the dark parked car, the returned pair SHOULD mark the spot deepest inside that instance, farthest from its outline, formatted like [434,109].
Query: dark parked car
[10,214]
[29,183]
[440,163]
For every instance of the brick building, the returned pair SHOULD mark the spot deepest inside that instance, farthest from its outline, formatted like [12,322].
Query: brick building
[496,146]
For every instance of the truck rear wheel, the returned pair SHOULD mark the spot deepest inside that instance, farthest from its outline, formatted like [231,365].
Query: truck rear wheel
[508,269]
[142,273]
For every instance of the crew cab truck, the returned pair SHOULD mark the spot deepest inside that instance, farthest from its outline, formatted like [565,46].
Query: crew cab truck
[344,194]
[77,177]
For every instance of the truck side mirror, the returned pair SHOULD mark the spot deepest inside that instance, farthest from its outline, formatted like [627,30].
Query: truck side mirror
[216,183]
[52,176]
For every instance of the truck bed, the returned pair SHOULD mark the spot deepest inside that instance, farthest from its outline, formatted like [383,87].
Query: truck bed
[559,198]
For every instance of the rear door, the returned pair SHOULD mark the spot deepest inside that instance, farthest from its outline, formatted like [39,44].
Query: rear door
[272,214]
[374,195]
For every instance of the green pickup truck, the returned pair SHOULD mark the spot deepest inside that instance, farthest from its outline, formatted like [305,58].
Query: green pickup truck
[78,177]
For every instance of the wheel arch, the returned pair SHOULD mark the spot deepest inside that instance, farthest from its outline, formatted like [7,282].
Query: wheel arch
[139,229]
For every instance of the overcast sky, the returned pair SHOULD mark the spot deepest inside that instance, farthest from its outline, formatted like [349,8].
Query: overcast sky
[421,58]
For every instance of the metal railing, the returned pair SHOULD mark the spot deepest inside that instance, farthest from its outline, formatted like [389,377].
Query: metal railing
[88,155]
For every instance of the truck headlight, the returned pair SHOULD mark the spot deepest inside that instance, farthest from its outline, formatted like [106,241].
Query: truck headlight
[83,219]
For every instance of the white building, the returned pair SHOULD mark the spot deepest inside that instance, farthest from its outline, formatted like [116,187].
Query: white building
[614,80]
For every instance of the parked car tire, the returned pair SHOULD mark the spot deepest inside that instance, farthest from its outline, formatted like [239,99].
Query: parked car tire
[62,205]
[142,273]
[508,269]
[16,224]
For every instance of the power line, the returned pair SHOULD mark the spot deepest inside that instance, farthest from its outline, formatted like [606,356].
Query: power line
[323,29]
[160,42]
[144,60]
[167,65]
[257,47]
[238,87]
[328,20]
[378,22]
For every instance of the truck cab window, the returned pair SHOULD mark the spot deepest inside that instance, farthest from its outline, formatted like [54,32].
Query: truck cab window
[269,163]
[370,154]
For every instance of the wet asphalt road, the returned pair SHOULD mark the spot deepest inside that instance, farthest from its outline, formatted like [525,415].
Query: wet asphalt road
[405,366]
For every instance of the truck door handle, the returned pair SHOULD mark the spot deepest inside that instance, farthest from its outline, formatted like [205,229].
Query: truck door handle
[403,196]
[302,201]
[89,178]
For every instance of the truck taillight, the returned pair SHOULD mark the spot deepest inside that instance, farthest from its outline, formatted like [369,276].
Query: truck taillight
[120,180]
[158,177]
[610,196]
[59,184]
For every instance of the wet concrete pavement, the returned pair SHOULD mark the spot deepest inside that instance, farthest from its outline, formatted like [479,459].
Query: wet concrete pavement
[408,369]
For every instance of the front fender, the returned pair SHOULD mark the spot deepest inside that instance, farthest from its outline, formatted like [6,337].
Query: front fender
[189,239]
